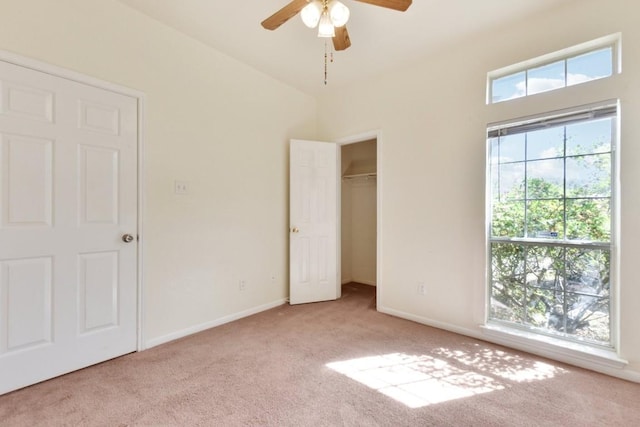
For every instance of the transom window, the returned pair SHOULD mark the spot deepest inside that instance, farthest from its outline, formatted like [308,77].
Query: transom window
[551,203]
[579,65]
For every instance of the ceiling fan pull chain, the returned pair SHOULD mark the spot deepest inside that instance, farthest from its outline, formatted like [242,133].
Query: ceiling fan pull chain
[325,62]
[328,58]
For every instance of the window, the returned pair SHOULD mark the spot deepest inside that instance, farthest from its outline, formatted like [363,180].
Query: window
[550,237]
[553,72]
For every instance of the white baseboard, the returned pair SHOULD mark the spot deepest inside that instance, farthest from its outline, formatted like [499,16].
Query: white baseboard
[433,323]
[212,324]
[612,366]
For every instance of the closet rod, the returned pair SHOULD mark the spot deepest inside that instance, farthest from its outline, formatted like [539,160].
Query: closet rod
[360,175]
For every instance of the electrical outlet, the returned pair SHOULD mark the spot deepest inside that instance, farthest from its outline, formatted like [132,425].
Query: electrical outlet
[242,285]
[181,187]
[422,288]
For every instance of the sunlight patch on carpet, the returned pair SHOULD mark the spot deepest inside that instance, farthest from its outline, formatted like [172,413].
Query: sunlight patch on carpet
[503,364]
[416,381]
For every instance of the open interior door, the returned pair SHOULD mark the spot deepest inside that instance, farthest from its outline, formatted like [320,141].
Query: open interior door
[313,228]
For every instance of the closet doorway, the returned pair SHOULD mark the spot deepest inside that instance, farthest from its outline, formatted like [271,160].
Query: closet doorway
[359,211]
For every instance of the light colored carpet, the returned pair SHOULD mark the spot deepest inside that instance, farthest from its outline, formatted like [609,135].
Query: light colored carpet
[327,364]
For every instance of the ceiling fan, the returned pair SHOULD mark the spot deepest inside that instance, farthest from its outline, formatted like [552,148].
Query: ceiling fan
[330,16]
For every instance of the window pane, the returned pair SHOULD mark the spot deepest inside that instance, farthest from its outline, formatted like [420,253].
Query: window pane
[589,137]
[511,181]
[589,176]
[508,87]
[512,148]
[588,271]
[495,183]
[590,66]
[545,308]
[507,290]
[545,144]
[494,153]
[589,219]
[545,219]
[545,267]
[545,78]
[507,219]
[568,71]
[545,179]
[579,309]
[587,318]
[545,270]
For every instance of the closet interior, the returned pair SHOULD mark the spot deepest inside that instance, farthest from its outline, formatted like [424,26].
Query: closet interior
[359,212]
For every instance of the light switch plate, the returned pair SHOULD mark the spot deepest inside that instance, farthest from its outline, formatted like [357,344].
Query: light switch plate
[181,187]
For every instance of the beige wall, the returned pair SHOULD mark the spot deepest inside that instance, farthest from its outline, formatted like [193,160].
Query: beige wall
[211,121]
[363,231]
[433,117]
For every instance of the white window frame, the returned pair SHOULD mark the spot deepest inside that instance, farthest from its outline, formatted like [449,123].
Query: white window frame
[592,111]
[612,41]
[607,360]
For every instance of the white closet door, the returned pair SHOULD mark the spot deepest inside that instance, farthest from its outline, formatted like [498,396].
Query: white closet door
[313,217]
[68,195]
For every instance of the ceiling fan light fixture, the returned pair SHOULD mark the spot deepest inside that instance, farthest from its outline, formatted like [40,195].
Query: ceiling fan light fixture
[326,28]
[339,13]
[311,13]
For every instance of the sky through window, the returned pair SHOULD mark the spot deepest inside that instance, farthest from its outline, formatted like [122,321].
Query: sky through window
[593,65]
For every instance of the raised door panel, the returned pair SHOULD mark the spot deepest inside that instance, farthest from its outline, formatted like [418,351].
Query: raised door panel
[98,279]
[303,198]
[98,174]
[25,303]
[26,181]
[322,261]
[98,117]
[301,250]
[26,102]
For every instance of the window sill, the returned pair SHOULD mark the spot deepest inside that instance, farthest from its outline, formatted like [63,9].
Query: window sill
[572,353]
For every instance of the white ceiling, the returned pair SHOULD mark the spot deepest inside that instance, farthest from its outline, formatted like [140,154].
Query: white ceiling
[381,38]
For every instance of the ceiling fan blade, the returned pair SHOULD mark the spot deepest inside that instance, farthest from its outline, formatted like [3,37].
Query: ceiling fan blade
[400,5]
[284,14]
[341,40]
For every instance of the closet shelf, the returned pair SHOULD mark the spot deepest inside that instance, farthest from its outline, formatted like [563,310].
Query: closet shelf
[359,175]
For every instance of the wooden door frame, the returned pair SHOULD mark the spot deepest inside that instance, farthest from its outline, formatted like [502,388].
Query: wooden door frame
[354,139]
[75,76]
